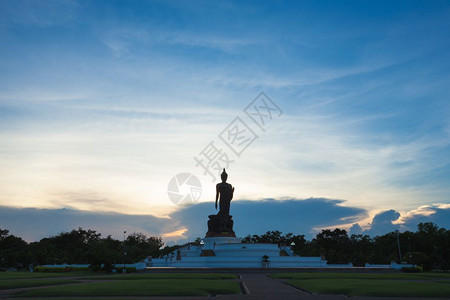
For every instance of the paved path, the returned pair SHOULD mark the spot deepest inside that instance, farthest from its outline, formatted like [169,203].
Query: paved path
[259,286]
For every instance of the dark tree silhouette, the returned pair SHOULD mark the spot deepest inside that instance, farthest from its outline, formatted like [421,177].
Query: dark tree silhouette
[428,247]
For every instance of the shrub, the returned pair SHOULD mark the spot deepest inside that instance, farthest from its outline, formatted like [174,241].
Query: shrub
[415,269]
[49,269]
[59,269]
[80,269]
[95,268]
[128,269]
[108,267]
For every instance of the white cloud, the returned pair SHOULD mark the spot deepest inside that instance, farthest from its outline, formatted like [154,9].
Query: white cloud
[391,220]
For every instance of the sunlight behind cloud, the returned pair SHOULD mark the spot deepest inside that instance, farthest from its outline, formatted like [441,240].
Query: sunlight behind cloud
[177,234]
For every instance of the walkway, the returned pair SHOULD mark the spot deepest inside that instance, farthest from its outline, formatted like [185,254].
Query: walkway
[259,286]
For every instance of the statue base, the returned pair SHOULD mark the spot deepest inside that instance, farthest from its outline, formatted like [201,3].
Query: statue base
[220,226]
[220,234]
[213,243]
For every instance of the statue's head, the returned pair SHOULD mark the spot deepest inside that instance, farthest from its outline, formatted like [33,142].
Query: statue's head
[224,175]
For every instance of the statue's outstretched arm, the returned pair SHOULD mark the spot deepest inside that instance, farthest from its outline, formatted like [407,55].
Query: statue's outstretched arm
[232,192]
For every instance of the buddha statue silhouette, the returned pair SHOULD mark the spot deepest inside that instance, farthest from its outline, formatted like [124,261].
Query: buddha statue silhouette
[225,191]
[222,223]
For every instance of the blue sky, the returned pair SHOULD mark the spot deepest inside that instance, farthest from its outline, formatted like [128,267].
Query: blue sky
[103,102]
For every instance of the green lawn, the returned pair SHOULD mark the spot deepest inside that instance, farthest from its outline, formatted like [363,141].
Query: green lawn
[148,284]
[25,275]
[140,287]
[394,285]
[383,276]
[162,276]
[78,298]
[21,283]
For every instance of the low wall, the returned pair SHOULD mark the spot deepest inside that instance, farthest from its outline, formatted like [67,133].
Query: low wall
[138,266]
[393,265]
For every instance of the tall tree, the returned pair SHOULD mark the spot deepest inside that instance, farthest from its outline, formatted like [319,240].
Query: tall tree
[14,251]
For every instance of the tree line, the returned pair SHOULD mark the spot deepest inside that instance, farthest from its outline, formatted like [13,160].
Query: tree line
[428,247]
[78,246]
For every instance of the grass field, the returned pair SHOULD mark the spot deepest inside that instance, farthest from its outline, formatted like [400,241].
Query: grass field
[383,285]
[91,285]
[22,283]
[142,287]
[31,275]
[86,285]
[163,276]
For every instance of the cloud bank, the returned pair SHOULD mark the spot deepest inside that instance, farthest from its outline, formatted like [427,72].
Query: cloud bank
[391,220]
[251,217]
[291,215]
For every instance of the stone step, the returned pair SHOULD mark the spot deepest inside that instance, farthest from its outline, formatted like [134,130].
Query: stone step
[207,253]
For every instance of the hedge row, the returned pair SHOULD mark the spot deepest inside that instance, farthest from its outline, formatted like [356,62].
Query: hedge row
[416,269]
[94,268]
[60,270]
[129,269]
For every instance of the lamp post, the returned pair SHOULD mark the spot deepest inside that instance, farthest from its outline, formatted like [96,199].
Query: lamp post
[124,253]
[292,248]
[399,250]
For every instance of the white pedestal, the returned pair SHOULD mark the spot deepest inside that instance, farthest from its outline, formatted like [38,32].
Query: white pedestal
[229,252]
[212,242]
